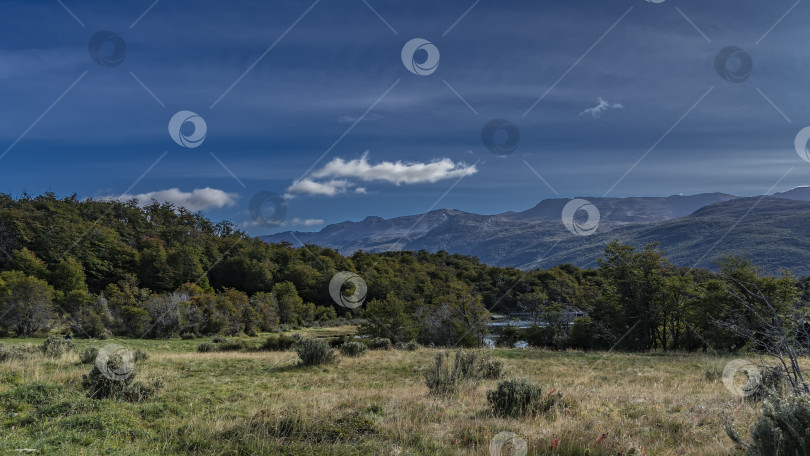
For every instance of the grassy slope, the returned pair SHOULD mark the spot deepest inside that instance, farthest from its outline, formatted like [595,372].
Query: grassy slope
[240,403]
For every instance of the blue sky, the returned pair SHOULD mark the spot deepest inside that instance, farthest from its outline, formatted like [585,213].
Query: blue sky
[619,77]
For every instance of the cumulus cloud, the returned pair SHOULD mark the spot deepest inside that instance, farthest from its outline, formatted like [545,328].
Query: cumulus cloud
[601,107]
[198,199]
[338,176]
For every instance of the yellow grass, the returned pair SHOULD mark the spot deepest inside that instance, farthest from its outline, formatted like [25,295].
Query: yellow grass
[220,402]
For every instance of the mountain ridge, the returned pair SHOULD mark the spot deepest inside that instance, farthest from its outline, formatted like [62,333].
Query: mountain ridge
[536,237]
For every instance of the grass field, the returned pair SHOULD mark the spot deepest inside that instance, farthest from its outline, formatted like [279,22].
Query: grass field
[241,403]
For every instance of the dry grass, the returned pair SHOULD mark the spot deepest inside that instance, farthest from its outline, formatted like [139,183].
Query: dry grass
[262,403]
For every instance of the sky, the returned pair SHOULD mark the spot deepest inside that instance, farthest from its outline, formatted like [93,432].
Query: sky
[295,114]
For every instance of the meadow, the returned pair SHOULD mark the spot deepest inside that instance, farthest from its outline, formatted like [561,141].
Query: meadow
[256,402]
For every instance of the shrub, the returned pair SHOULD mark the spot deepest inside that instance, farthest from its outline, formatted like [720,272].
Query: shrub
[337,342]
[314,352]
[278,342]
[519,397]
[380,343]
[89,355]
[219,339]
[412,346]
[353,349]
[444,377]
[55,346]
[102,387]
[232,345]
[490,369]
[140,355]
[206,347]
[188,336]
[783,428]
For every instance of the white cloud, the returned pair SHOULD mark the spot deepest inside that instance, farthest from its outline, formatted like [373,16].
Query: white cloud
[338,173]
[198,199]
[294,222]
[310,187]
[305,222]
[603,106]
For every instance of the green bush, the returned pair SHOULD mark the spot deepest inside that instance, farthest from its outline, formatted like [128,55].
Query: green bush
[314,352]
[412,345]
[89,355]
[783,428]
[519,397]
[445,377]
[140,355]
[206,347]
[219,339]
[278,342]
[55,346]
[380,343]
[232,345]
[353,349]
[188,336]
[337,342]
[102,387]
[490,369]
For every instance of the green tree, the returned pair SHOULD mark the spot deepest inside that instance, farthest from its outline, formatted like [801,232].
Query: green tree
[26,304]
[388,318]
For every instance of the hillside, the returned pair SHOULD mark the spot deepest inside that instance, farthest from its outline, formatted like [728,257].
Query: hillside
[687,227]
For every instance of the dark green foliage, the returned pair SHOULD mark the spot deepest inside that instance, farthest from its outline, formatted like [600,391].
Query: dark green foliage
[232,345]
[101,387]
[412,345]
[55,346]
[278,342]
[490,369]
[782,429]
[206,347]
[314,352]
[140,355]
[89,355]
[380,343]
[353,349]
[188,336]
[519,397]
[337,342]
[159,271]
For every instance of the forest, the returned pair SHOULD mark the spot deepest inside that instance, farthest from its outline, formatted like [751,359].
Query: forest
[107,268]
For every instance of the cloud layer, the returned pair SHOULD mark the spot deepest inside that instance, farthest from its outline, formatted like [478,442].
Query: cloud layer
[339,175]
[199,199]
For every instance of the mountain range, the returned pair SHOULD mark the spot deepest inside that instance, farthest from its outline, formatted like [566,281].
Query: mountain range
[694,231]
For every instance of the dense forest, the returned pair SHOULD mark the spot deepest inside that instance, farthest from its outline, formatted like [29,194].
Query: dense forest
[101,268]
